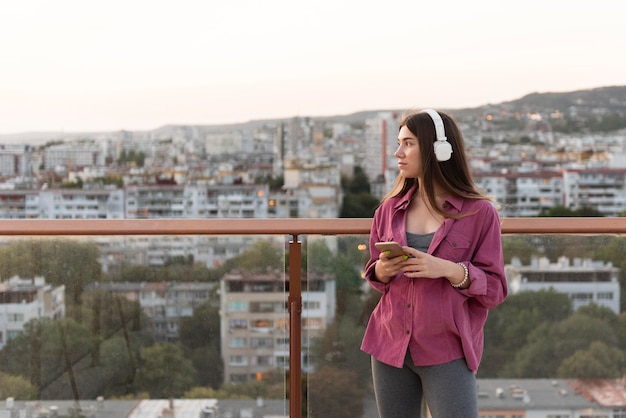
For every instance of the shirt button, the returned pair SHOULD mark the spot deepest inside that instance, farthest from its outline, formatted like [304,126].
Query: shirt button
[408,305]
[408,332]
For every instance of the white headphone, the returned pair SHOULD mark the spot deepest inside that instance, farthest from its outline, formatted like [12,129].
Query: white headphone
[443,149]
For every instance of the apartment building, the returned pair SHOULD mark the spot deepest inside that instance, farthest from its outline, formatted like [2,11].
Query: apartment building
[255,321]
[67,156]
[381,139]
[309,191]
[22,300]
[523,194]
[583,280]
[602,189]
[15,160]
[163,303]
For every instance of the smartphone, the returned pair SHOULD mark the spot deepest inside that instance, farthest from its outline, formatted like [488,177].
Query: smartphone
[395,250]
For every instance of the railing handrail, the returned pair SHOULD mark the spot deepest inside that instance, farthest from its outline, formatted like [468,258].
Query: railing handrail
[281,226]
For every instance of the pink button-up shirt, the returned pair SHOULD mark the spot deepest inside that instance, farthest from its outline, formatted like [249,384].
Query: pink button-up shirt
[434,321]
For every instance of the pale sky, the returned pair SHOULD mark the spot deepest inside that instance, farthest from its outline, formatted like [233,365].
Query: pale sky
[83,65]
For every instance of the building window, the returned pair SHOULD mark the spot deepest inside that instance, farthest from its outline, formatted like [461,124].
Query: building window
[582,297]
[237,306]
[261,324]
[15,317]
[266,307]
[237,342]
[261,342]
[311,305]
[282,361]
[238,361]
[313,323]
[238,324]
[264,360]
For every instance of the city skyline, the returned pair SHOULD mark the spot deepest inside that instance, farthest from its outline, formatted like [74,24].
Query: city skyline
[71,66]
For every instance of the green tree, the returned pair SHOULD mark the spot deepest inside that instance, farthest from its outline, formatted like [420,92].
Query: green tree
[165,371]
[359,182]
[510,324]
[261,256]
[518,246]
[361,205]
[60,261]
[333,393]
[16,387]
[561,211]
[357,201]
[202,328]
[209,366]
[599,361]
[550,344]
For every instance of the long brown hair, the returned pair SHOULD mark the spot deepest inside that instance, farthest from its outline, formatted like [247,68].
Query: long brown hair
[453,176]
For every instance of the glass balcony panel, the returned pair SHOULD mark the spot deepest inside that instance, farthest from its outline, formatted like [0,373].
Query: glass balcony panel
[171,316]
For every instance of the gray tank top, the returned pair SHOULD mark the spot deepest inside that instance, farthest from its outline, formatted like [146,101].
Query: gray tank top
[420,242]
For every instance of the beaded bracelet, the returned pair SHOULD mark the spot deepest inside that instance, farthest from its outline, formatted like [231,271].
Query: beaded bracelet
[465,277]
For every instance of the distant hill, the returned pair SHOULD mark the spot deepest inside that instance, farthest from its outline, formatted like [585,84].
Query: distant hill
[610,99]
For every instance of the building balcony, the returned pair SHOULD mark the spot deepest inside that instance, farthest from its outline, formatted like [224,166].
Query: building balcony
[65,250]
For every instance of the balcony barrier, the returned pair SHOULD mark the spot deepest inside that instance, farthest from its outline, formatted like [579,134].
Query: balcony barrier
[295,228]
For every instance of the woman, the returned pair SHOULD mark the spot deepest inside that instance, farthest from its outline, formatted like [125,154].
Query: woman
[425,336]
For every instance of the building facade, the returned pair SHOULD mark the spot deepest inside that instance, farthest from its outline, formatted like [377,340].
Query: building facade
[584,281]
[255,321]
[22,300]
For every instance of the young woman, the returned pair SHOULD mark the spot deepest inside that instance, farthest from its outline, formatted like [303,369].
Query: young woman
[425,336]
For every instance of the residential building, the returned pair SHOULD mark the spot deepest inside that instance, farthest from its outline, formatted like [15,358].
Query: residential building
[22,300]
[163,303]
[255,321]
[584,281]
[523,194]
[602,189]
[381,139]
[77,154]
[15,160]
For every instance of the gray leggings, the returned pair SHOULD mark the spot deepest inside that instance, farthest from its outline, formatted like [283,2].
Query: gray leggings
[449,390]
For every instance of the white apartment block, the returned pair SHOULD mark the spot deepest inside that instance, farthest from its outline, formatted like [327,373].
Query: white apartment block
[523,194]
[22,300]
[584,281]
[309,191]
[602,189]
[255,321]
[381,141]
[75,204]
[68,156]
[14,160]
[219,201]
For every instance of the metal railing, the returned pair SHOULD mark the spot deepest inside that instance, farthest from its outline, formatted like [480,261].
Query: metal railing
[295,228]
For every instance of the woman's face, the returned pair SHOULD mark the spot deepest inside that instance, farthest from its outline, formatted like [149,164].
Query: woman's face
[408,154]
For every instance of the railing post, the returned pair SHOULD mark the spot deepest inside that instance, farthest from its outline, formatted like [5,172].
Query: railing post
[295,327]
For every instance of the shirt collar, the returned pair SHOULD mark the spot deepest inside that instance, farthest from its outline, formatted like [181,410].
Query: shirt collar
[452,202]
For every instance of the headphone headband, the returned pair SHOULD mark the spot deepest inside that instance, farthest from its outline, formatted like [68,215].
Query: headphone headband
[443,149]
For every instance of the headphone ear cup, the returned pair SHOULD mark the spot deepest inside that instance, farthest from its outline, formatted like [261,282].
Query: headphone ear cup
[443,150]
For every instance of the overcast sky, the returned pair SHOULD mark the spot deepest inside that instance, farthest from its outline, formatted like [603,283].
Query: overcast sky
[83,65]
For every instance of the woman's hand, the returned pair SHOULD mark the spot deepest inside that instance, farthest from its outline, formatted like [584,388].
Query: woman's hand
[386,268]
[430,267]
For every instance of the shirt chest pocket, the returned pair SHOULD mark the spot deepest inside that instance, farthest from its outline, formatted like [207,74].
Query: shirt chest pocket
[455,245]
